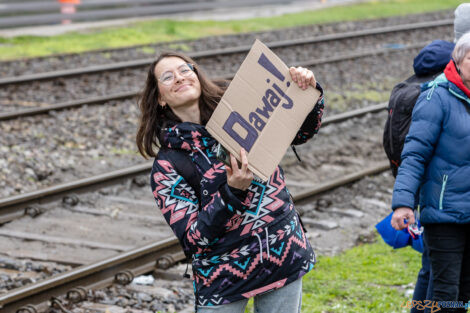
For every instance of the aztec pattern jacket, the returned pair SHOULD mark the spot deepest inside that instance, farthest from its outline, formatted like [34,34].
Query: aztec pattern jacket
[436,155]
[242,243]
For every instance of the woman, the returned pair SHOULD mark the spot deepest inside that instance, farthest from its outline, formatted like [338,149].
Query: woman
[436,160]
[244,236]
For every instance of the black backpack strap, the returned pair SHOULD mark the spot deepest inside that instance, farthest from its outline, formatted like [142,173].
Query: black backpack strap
[400,108]
[185,167]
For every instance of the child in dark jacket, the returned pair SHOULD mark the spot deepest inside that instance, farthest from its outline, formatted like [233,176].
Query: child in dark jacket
[244,236]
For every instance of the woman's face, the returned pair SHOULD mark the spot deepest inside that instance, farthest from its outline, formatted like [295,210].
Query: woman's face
[178,85]
[464,67]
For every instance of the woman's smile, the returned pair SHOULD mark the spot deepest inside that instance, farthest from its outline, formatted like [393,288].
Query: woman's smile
[183,87]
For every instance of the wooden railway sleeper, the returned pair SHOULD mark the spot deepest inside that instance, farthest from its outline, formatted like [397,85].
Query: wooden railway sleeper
[124,277]
[77,294]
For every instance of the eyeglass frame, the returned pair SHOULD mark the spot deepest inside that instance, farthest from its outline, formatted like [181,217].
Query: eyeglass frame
[189,65]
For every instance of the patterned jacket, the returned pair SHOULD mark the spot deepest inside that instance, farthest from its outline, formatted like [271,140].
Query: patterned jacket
[242,243]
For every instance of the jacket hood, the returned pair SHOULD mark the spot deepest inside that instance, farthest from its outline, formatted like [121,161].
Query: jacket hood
[453,76]
[433,58]
[449,80]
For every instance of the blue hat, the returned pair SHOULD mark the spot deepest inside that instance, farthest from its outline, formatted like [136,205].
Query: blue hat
[433,58]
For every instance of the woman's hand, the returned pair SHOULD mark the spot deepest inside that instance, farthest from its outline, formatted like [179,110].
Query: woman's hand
[399,216]
[303,77]
[239,178]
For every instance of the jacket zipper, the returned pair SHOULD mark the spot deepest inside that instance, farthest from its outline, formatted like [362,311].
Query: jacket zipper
[441,198]
[459,96]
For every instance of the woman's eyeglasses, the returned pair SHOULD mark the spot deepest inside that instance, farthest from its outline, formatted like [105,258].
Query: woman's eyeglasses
[184,70]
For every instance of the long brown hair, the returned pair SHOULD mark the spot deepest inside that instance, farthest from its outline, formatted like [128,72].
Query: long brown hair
[154,117]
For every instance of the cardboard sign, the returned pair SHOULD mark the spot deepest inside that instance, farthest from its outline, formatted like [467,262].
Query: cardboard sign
[261,111]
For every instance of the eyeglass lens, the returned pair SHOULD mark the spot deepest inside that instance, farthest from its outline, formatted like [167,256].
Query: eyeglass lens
[184,70]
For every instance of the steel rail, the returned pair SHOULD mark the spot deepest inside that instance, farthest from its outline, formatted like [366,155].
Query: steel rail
[138,261]
[218,52]
[16,206]
[131,94]
[347,179]
[98,275]
[67,105]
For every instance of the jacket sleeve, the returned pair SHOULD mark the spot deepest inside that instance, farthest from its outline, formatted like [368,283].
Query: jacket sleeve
[195,228]
[312,122]
[424,132]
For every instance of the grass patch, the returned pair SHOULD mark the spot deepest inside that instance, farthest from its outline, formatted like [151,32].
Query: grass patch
[341,101]
[367,278]
[170,30]
[147,50]
[369,92]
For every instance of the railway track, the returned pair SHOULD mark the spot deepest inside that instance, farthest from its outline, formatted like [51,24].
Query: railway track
[100,274]
[63,290]
[134,94]
[82,142]
[124,267]
[322,161]
[54,62]
[212,54]
[17,206]
[69,145]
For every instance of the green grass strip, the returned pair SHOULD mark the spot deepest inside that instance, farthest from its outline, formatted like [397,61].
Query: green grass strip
[367,278]
[170,30]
